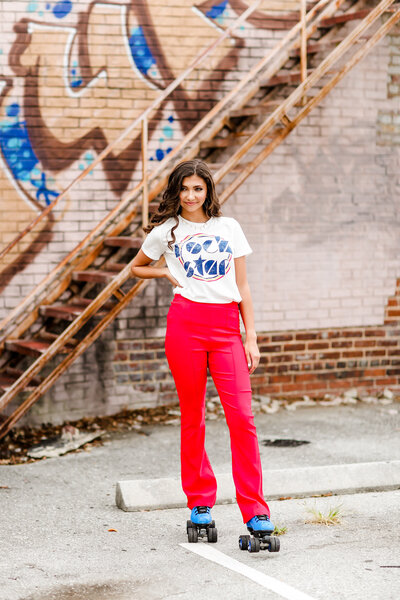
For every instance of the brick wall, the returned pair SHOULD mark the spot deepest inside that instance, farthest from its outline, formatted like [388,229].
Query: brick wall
[116,374]
[321,214]
[293,363]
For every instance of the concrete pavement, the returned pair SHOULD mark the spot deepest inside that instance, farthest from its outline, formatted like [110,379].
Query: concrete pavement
[58,515]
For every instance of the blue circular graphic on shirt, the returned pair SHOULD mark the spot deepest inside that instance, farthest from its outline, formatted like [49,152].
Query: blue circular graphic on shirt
[204,257]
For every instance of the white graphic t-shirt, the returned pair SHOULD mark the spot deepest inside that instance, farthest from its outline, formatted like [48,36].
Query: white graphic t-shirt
[202,257]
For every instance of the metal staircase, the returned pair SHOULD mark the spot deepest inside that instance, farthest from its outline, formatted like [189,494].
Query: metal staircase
[70,308]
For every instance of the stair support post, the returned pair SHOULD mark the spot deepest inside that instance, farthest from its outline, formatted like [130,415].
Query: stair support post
[303,43]
[145,196]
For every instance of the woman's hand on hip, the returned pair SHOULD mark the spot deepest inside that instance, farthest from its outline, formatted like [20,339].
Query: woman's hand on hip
[252,354]
[171,278]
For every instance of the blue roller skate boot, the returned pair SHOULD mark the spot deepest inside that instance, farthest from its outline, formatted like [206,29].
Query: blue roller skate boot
[260,523]
[201,525]
[261,529]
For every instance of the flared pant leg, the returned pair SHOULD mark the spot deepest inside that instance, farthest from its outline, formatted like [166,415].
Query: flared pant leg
[188,363]
[198,336]
[228,368]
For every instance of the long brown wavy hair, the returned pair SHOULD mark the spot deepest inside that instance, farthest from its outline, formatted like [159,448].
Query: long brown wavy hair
[170,206]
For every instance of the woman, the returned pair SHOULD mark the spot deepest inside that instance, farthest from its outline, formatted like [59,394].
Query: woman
[205,255]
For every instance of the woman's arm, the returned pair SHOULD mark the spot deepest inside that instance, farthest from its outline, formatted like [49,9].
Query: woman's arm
[142,269]
[246,310]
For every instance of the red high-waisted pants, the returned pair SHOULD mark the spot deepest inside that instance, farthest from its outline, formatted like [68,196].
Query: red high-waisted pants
[201,335]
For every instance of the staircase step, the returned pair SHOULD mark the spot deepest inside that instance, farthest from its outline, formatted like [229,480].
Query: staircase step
[216,166]
[318,47]
[6,381]
[84,302]
[252,111]
[31,347]
[344,18]
[292,77]
[115,267]
[225,142]
[217,143]
[94,276]
[69,312]
[61,311]
[16,374]
[47,336]
[123,242]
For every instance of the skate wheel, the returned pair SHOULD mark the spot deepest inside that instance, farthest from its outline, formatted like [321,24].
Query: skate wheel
[189,524]
[254,545]
[192,535]
[212,535]
[274,544]
[244,542]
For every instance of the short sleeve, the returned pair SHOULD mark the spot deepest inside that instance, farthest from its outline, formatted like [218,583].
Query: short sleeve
[241,246]
[155,245]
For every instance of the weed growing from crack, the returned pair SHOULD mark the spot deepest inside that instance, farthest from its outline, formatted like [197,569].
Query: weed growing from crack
[279,530]
[332,517]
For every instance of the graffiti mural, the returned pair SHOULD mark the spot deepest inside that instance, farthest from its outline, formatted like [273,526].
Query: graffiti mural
[75,73]
[80,73]
[114,64]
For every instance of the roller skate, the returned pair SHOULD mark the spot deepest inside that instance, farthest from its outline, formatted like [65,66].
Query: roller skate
[201,525]
[261,529]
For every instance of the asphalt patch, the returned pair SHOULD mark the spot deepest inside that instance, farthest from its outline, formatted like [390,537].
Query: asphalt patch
[284,443]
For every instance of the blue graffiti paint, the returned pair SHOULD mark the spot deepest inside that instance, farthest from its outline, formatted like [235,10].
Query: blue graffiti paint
[89,158]
[43,190]
[17,150]
[217,10]
[12,110]
[32,7]
[140,50]
[168,131]
[62,8]
[76,79]
[19,155]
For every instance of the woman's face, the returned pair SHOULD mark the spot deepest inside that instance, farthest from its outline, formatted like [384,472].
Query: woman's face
[192,197]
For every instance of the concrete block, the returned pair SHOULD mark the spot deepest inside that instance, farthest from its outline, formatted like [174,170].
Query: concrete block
[154,494]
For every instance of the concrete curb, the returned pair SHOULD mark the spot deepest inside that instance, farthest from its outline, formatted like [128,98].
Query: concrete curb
[152,494]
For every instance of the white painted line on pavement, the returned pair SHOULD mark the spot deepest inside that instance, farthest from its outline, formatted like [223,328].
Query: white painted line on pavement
[283,589]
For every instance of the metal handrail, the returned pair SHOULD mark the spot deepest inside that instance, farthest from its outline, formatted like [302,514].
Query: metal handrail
[144,115]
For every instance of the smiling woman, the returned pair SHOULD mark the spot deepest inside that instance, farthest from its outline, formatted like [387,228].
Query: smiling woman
[205,254]
[192,196]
